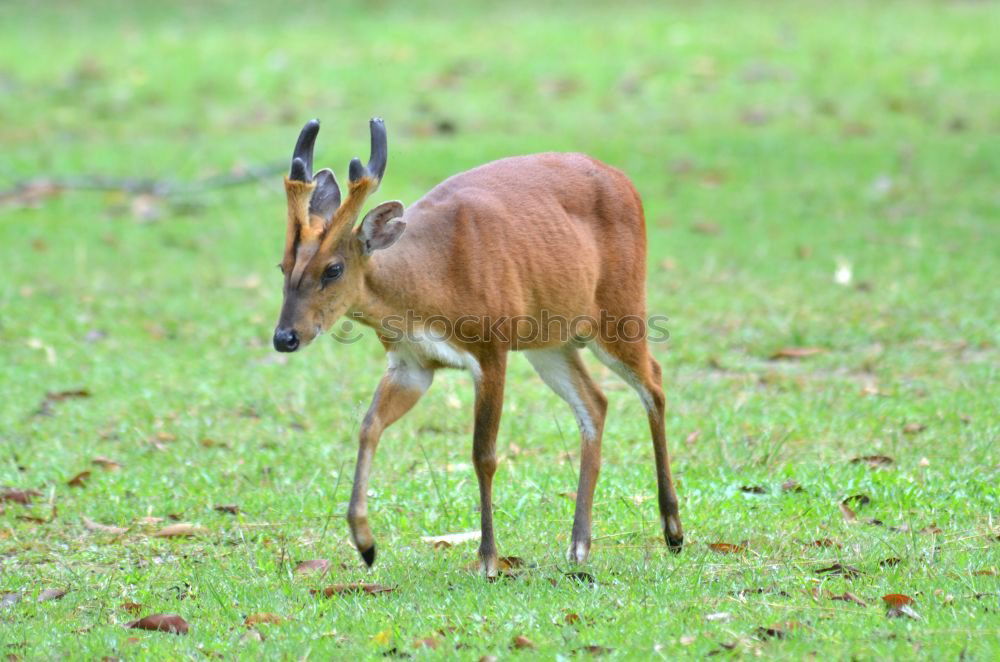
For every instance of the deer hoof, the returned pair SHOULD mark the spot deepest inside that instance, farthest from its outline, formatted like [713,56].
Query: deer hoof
[368,555]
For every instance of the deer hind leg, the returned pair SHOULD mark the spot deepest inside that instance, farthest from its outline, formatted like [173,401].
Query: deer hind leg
[563,371]
[633,363]
[401,387]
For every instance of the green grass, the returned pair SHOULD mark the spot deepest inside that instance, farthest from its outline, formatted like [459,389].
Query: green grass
[771,143]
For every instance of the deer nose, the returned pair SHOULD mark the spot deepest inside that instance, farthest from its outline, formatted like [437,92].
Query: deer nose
[286,340]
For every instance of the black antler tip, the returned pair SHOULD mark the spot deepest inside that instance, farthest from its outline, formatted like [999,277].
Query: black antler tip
[356,171]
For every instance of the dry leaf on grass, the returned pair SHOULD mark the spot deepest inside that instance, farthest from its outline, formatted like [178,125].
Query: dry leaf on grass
[778,630]
[22,497]
[312,565]
[718,616]
[726,548]
[571,618]
[180,530]
[426,642]
[230,508]
[262,617]
[451,539]
[857,499]
[106,463]
[898,605]
[849,515]
[51,594]
[171,623]
[914,428]
[131,607]
[91,525]
[824,542]
[873,461]
[796,353]
[593,649]
[847,596]
[850,572]
[791,485]
[352,588]
[79,480]
[522,643]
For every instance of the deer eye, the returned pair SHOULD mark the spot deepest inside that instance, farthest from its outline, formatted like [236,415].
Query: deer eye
[332,272]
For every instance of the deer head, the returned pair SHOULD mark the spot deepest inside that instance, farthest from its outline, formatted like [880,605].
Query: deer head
[325,257]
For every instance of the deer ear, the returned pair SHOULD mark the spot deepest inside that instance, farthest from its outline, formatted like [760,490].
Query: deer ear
[381,227]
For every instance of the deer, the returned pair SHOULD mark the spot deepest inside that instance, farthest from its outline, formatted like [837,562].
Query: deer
[489,252]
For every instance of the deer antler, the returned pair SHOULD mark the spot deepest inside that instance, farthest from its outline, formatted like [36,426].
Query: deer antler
[364,181]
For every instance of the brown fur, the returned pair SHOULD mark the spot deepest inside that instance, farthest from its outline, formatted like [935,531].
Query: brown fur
[562,233]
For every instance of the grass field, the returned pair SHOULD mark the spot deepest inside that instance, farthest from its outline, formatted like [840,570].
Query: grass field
[815,176]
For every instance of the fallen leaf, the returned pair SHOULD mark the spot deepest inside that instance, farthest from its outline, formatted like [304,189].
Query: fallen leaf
[847,571]
[106,463]
[718,616]
[594,650]
[171,623]
[777,631]
[753,489]
[726,548]
[262,617]
[693,437]
[314,565]
[79,480]
[825,542]
[150,520]
[354,587]
[522,643]
[59,396]
[849,597]
[51,594]
[987,572]
[914,428]
[569,495]
[506,563]
[931,529]
[890,562]
[571,618]
[796,353]
[19,496]
[899,605]
[873,461]
[182,530]
[791,485]
[231,508]
[706,227]
[849,515]
[450,539]
[131,607]
[582,577]
[426,642]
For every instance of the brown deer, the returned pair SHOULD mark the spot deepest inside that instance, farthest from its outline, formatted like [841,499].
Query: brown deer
[477,267]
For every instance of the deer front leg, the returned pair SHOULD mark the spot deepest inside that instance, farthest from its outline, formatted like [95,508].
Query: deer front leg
[401,386]
[489,403]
